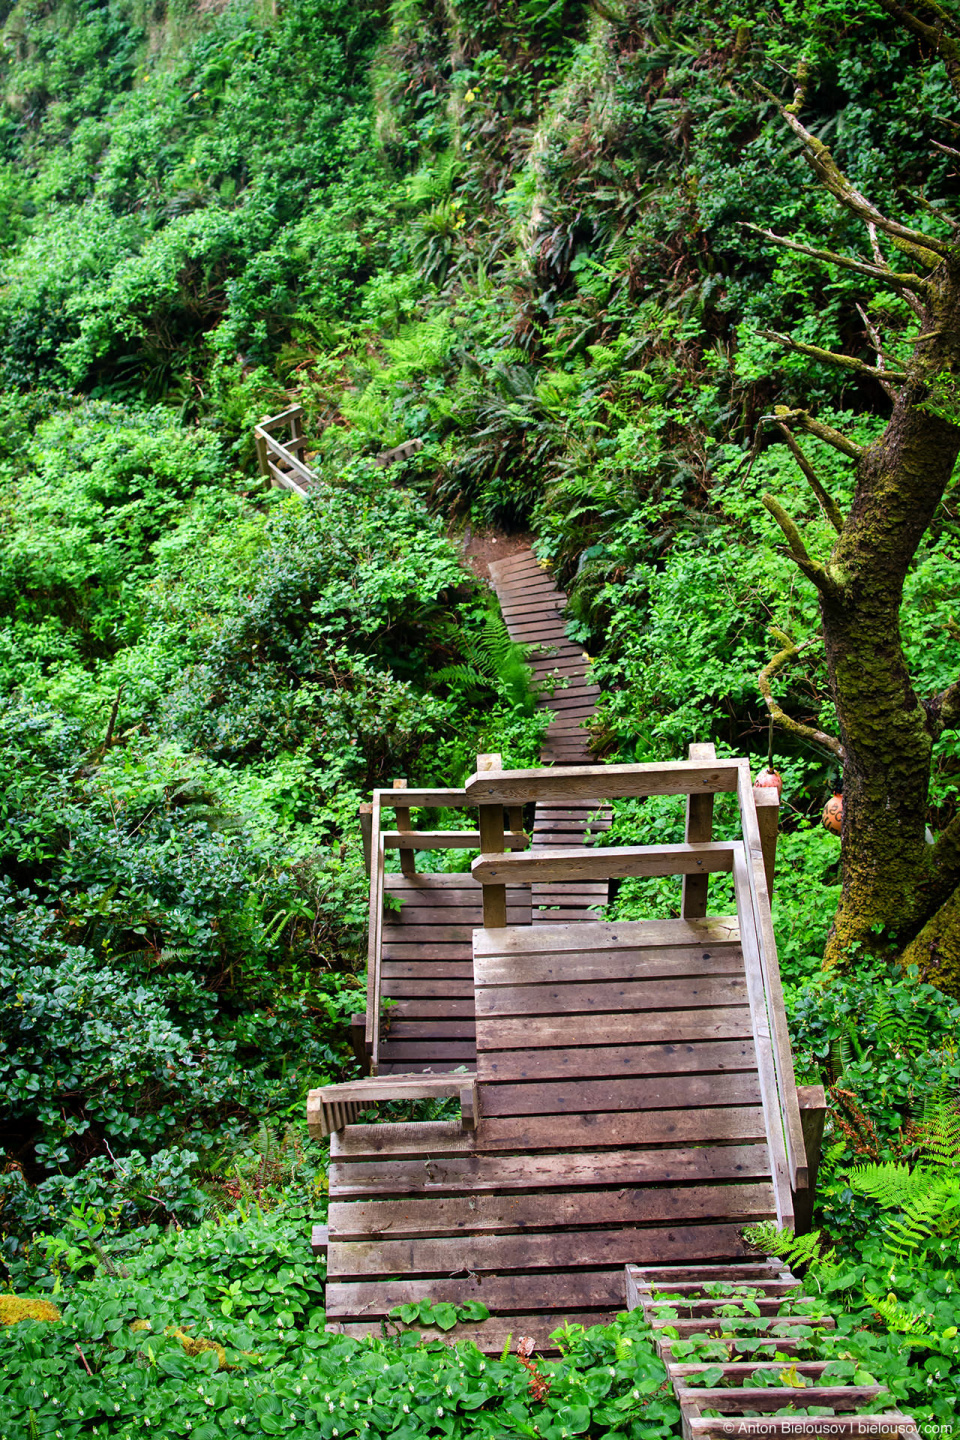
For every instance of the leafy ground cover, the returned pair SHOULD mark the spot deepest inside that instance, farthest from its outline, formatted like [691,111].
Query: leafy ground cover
[514,232]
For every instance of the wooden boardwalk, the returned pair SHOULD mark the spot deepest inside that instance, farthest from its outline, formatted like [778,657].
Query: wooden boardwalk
[532,608]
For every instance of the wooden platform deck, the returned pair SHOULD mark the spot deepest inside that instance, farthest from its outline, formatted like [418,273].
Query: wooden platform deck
[533,608]
[620,1121]
[630,1097]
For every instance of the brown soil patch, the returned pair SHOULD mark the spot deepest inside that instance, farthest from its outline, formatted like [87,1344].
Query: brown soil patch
[478,547]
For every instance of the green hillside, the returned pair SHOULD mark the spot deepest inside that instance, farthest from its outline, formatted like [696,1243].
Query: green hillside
[528,233]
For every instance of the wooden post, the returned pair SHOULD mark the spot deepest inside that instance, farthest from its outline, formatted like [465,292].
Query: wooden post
[263,456]
[699,829]
[366,833]
[296,425]
[515,819]
[768,819]
[813,1112]
[408,860]
[491,843]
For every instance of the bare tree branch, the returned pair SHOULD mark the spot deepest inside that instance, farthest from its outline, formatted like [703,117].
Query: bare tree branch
[919,246]
[813,570]
[790,651]
[830,357]
[827,501]
[880,271]
[826,433]
[874,335]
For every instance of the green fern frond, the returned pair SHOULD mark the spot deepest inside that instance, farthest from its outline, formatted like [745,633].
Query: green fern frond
[899,1318]
[891,1185]
[939,1130]
[794,1249]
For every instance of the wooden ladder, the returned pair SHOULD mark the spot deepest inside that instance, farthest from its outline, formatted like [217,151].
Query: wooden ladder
[664,1290]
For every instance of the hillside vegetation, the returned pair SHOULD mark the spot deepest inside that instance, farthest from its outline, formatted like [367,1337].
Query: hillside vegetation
[521,232]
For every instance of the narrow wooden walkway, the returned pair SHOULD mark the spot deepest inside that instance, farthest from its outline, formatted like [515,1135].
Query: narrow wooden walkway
[532,608]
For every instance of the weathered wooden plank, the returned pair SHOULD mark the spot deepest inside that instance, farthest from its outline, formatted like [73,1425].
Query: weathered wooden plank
[563,1249]
[428,1052]
[425,970]
[611,1060]
[431,987]
[613,996]
[706,1126]
[634,933]
[667,1026]
[429,1027]
[493,1334]
[472,1173]
[611,964]
[437,1216]
[424,1009]
[583,1288]
[647,1092]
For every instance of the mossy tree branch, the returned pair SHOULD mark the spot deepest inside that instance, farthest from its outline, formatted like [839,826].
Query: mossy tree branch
[788,652]
[927,249]
[878,271]
[942,37]
[943,710]
[831,357]
[827,502]
[835,438]
[798,551]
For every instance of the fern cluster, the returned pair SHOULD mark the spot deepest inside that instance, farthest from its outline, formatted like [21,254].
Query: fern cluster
[494,662]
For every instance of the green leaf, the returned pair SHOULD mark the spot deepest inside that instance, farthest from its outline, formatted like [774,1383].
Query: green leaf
[445,1316]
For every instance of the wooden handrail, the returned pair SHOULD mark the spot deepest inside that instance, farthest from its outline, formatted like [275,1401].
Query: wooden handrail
[772,987]
[280,462]
[608,782]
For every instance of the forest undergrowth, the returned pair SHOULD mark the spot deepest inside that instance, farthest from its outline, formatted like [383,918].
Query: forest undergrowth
[517,232]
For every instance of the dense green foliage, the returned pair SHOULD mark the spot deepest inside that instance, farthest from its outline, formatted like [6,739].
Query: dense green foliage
[516,232]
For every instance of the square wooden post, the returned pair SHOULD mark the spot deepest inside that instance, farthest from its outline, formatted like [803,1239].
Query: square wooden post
[813,1113]
[491,843]
[408,858]
[767,802]
[699,829]
[366,834]
[263,453]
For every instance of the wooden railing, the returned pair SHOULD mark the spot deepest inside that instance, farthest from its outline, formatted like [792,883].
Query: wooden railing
[377,841]
[281,461]
[750,858]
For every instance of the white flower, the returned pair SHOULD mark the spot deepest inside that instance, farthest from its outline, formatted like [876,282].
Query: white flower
[439,1409]
[406,1409]
[612,1369]
[636,1394]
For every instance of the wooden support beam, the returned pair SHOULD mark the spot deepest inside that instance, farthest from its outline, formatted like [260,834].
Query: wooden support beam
[561,862]
[408,860]
[446,840]
[699,829]
[358,1028]
[813,1113]
[767,801]
[491,843]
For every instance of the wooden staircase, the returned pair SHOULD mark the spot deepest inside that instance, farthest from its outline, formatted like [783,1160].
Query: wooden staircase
[681,1303]
[634,1092]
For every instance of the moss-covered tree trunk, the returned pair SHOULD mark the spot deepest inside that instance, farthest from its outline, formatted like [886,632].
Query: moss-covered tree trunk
[895,884]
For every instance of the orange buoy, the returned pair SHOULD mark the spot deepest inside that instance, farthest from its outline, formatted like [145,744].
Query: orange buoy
[771,778]
[832,817]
